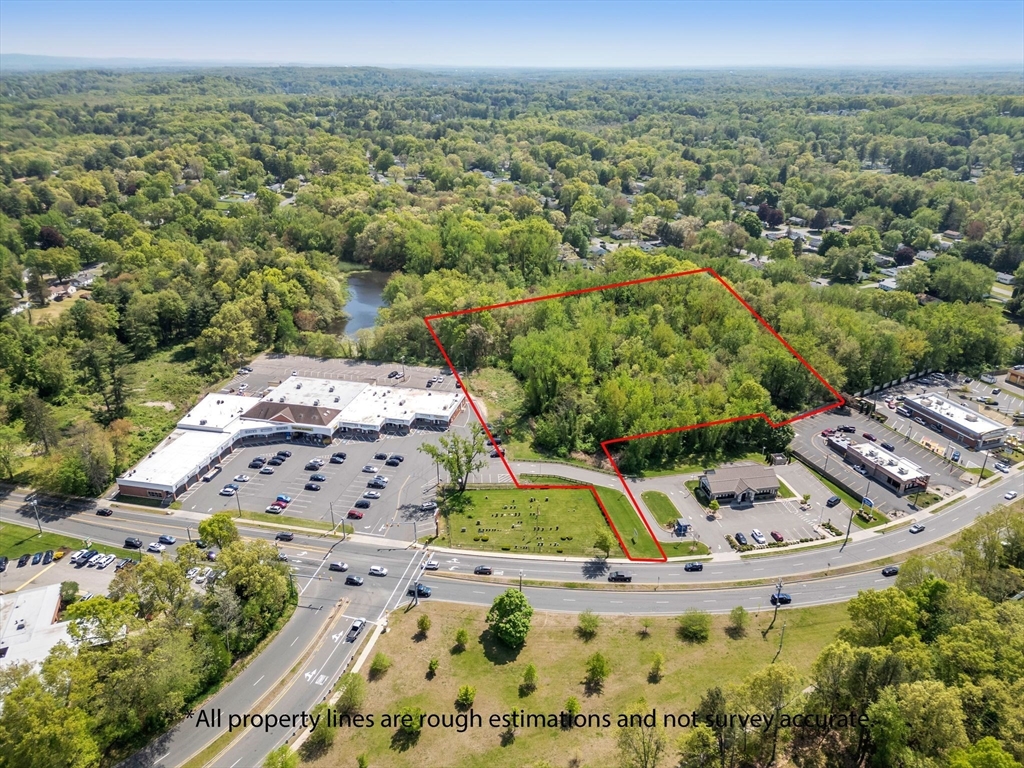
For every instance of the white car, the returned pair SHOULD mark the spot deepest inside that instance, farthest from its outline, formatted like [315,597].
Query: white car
[378,570]
[241,478]
[757,536]
[1003,467]
[370,468]
[860,469]
[243,387]
[431,565]
[1010,495]
[95,560]
[371,495]
[227,491]
[105,561]
[191,573]
[428,506]
[76,556]
[154,547]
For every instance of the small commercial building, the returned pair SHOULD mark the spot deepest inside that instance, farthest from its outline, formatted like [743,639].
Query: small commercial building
[743,484]
[298,408]
[1015,377]
[29,626]
[956,422]
[898,474]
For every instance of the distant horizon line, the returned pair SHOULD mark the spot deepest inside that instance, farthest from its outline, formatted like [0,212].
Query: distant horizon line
[131,62]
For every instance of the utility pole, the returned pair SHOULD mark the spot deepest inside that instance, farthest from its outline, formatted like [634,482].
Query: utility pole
[35,508]
[238,504]
[983,465]
[520,581]
[333,524]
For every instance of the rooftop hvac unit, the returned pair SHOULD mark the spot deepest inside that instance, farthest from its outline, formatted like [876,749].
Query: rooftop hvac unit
[972,417]
[890,463]
[202,422]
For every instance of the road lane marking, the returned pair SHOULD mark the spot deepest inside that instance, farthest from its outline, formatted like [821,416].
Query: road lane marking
[258,681]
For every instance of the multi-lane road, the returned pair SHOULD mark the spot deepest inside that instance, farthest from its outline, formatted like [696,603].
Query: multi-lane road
[315,637]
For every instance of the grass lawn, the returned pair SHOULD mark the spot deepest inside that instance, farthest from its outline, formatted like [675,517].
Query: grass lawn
[500,390]
[687,548]
[558,655]
[926,500]
[785,492]
[548,522]
[17,540]
[661,507]
[698,493]
[977,471]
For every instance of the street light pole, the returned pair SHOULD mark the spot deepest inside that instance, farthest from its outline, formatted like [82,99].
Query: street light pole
[333,524]
[983,465]
[238,504]
[520,581]
[35,508]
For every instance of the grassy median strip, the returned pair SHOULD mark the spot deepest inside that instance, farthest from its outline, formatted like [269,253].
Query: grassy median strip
[661,507]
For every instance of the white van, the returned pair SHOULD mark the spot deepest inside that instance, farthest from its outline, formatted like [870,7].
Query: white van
[988,378]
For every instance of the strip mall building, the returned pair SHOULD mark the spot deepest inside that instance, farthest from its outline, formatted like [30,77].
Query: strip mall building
[299,408]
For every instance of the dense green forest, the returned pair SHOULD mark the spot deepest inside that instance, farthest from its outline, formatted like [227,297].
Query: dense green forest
[218,212]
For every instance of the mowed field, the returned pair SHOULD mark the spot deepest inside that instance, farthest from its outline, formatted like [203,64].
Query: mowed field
[559,655]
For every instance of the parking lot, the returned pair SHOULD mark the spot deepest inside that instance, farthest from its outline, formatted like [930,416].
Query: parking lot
[89,578]
[411,483]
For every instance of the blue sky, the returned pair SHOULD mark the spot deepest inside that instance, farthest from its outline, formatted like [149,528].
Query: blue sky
[538,34]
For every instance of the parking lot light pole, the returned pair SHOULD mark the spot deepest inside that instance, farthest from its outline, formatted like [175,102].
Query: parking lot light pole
[981,475]
[333,524]
[238,504]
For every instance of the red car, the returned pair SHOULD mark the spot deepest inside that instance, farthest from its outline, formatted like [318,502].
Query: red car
[777,536]
[869,436]
[827,432]
[355,514]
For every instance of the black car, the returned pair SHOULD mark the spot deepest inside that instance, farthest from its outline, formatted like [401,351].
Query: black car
[380,456]
[483,570]
[318,478]
[132,543]
[3,564]
[256,464]
[339,455]
[48,557]
[741,539]
[23,560]
[354,581]
[285,454]
[37,558]
[846,428]
[285,536]
[337,460]
[832,501]
[693,567]
[392,462]
[889,446]
[312,466]
[338,567]
[781,598]
[420,590]
[620,576]
[890,570]
[362,504]
[312,487]
[398,458]
[201,543]
[376,484]
[277,461]
[104,512]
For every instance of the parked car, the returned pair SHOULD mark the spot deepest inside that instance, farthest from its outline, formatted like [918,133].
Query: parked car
[827,432]
[355,629]
[3,563]
[833,501]
[376,484]
[312,466]
[23,560]
[956,456]
[757,536]
[890,570]
[1003,467]
[362,504]
[274,509]
[420,590]
[903,411]
[431,565]
[354,581]
[339,455]
[777,536]
[48,557]
[381,479]
[37,558]
[277,461]
[318,478]
[166,538]
[254,464]
[692,567]
[154,547]
[781,598]
[917,419]
[241,478]
[889,446]
[267,471]
[104,512]
[378,570]
[483,570]
[191,573]
[398,457]
[338,567]
[76,556]
[620,576]
[312,487]
[284,536]
[284,499]
[371,495]
[392,463]
[285,454]
[355,514]
[132,543]
[860,469]
[380,456]
[227,491]
[337,460]
[741,539]
[916,528]
[428,506]
[127,562]
[869,436]
[847,428]
[369,468]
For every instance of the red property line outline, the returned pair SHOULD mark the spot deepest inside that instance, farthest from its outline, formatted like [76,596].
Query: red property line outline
[604,445]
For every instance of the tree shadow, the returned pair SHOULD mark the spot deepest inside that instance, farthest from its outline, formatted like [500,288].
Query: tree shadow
[419,637]
[403,740]
[595,568]
[186,353]
[495,651]
[736,633]
[585,635]
[593,687]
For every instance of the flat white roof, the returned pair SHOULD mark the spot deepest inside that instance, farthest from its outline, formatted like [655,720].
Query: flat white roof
[215,413]
[301,390]
[27,627]
[971,422]
[893,464]
[180,455]
[400,405]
